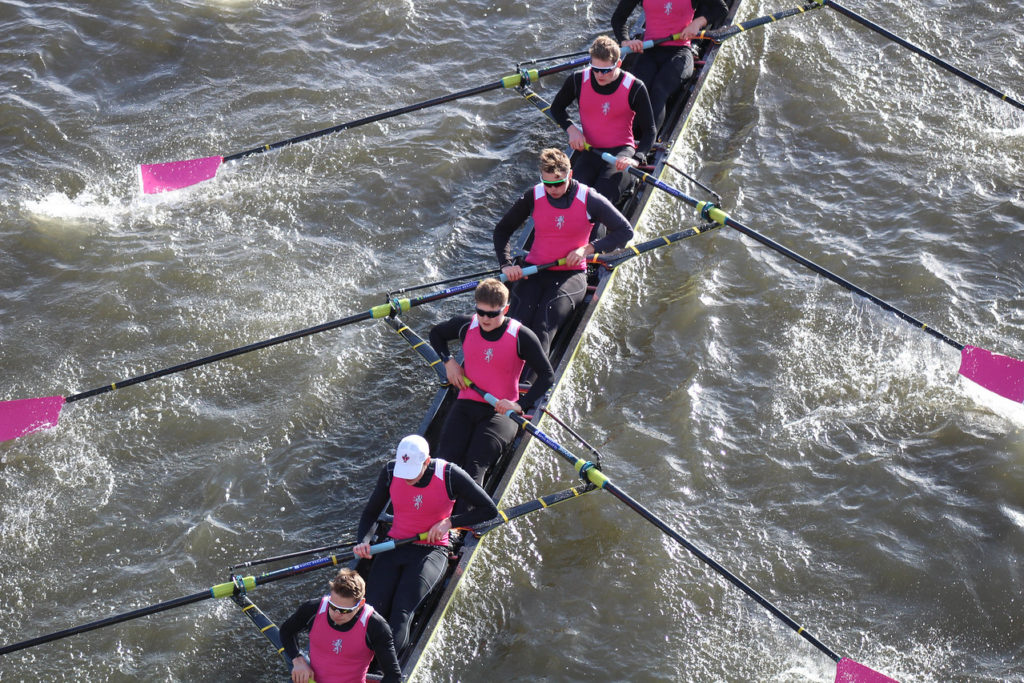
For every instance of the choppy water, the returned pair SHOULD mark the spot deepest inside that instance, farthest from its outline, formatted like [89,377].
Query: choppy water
[824,452]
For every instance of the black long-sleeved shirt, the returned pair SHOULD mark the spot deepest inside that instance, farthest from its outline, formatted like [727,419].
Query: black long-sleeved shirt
[639,102]
[460,487]
[378,637]
[599,209]
[714,11]
[527,346]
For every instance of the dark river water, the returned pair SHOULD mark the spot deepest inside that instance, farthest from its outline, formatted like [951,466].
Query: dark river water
[825,452]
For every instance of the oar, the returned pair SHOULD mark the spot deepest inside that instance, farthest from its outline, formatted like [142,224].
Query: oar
[720,34]
[23,416]
[174,175]
[263,624]
[847,671]
[242,584]
[914,48]
[221,590]
[291,556]
[1002,375]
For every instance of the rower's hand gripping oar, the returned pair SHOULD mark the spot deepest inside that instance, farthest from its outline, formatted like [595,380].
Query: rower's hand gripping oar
[1002,375]
[923,53]
[174,175]
[847,670]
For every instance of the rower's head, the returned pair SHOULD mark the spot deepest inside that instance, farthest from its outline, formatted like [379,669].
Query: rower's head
[491,303]
[605,60]
[347,596]
[555,172]
[411,458]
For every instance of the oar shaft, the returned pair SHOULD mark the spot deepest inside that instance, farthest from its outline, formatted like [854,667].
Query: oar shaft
[109,621]
[718,35]
[590,473]
[927,55]
[510,81]
[289,556]
[221,590]
[709,210]
[376,312]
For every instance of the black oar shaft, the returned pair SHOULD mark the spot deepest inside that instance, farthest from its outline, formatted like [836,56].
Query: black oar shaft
[923,53]
[709,210]
[109,621]
[506,82]
[381,311]
[718,35]
[376,312]
[590,473]
[290,556]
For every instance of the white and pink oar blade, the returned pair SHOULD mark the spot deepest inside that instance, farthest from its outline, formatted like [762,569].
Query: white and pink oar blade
[174,175]
[1000,374]
[26,415]
[849,671]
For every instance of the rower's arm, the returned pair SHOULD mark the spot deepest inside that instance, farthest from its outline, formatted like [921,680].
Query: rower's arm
[507,226]
[619,229]
[378,501]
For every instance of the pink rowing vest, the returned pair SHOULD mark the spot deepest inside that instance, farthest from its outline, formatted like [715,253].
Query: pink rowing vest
[417,509]
[556,232]
[607,120]
[494,366]
[336,656]
[667,18]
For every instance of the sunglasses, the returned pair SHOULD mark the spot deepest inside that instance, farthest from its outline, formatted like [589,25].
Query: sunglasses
[555,183]
[489,314]
[603,69]
[346,610]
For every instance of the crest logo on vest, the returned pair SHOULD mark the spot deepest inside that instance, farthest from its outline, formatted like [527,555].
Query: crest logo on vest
[417,502]
[668,8]
[489,354]
[337,646]
[560,221]
[605,108]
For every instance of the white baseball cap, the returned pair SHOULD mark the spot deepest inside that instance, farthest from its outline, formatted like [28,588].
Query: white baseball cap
[412,452]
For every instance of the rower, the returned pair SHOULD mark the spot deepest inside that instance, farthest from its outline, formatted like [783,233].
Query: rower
[564,211]
[345,634]
[612,104]
[666,66]
[423,493]
[495,350]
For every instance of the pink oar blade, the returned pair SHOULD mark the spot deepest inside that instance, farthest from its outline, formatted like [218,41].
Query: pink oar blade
[174,175]
[849,671]
[25,415]
[1000,374]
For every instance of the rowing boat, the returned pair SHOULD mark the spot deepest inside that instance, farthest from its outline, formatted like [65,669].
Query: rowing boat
[563,352]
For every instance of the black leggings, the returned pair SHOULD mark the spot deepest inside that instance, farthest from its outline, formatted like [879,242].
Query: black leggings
[663,70]
[543,301]
[400,580]
[473,437]
[590,169]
